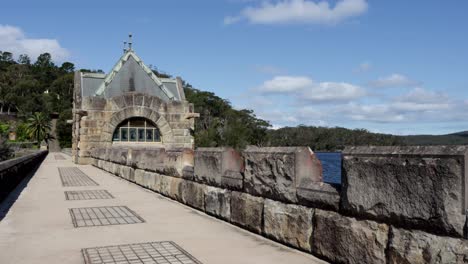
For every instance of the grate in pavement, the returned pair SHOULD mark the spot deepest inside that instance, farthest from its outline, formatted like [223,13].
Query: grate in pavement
[88,195]
[59,157]
[166,252]
[101,216]
[72,176]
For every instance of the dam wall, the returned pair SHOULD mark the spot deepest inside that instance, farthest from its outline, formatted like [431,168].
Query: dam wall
[395,204]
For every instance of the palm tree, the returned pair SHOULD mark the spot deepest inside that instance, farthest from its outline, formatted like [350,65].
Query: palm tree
[38,126]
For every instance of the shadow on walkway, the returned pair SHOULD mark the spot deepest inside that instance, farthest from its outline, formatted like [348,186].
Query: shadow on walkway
[11,198]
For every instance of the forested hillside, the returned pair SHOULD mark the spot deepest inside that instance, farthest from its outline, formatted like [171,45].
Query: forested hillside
[42,86]
[27,87]
[460,138]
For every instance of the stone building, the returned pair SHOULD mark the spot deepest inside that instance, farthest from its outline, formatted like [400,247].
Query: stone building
[130,107]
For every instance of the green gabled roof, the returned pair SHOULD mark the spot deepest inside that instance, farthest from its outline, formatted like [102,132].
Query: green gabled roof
[131,74]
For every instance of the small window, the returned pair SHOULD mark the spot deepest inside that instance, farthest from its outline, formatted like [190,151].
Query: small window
[136,130]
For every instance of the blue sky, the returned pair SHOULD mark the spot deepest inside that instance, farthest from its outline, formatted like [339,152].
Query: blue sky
[387,66]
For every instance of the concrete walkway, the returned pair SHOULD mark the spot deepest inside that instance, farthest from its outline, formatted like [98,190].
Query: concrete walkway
[38,228]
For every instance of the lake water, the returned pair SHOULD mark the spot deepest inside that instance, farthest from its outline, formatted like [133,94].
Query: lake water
[331,164]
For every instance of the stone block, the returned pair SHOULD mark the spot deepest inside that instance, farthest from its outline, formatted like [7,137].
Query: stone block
[119,101]
[93,103]
[128,97]
[320,195]
[139,175]
[170,187]
[118,155]
[166,162]
[412,187]
[247,211]
[156,103]
[193,194]
[219,167]
[127,173]
[218,202]
[155,184]
[138,99]
[342,239]
[149,179]
[420,247]
[288,223]
[276,172]
[147,101]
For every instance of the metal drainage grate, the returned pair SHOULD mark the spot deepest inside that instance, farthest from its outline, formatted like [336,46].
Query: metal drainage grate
[72,176]
[166,252]
[101,216]
[59,157]
[88,195]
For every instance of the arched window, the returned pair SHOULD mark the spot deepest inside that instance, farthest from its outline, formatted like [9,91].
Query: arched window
[136,130]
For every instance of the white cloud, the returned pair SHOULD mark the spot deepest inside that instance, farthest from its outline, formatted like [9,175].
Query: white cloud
[380,113]
[300,11]
[285,84]
[306,89]
[394,80]
[418,105]
[14,40]
[420,99]
[332,91]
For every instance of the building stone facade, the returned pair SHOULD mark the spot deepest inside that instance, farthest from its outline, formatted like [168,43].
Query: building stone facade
[130,107]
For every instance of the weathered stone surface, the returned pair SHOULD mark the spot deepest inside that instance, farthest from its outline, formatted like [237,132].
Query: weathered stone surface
[276,172]
[126,173]
[139,175]
[288,223]
[218,202]
[343,239]
[320,195]
[413,187]
[270,173]
[118,155]
[420,247]
[170,187]
[193,194]
[247,211]
[221,167]
[149,179]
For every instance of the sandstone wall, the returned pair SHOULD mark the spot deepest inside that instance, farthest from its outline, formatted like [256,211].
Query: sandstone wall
[395,205]
[95,119]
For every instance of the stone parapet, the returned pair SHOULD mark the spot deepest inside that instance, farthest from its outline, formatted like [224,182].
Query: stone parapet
[278,172]
[13,171]
[222,167]
[396,205]
[412,187]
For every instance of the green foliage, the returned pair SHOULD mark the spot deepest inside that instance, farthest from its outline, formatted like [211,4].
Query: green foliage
[38,127]
[328,139]
[221,125]
[43,87]
[4,129]
[460,138]
[22,133]
[64,130]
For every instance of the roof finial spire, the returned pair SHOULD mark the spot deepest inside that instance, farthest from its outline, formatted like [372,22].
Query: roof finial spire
[125,46]
[130,41]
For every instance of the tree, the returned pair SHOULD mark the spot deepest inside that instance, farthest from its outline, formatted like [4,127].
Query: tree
[24,59]
[38,126]
[67,67]
[44,61]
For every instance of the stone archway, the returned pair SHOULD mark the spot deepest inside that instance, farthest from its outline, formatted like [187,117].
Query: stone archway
[135,111]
